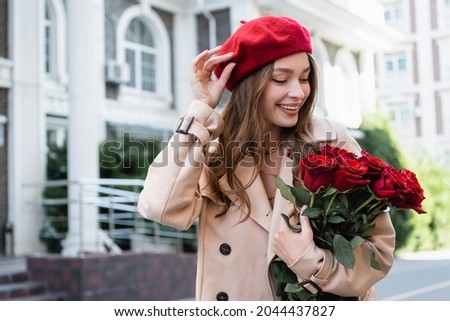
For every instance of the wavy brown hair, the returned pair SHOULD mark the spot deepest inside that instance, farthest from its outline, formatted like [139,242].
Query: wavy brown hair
[243,135]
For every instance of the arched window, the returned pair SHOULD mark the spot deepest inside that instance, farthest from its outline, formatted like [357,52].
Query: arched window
[54,41]
[144,51]
[141,55]
[50,38]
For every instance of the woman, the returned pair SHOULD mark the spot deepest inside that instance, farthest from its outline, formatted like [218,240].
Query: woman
[222,168]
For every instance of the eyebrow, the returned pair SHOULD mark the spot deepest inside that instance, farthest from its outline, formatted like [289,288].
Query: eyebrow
[288,70]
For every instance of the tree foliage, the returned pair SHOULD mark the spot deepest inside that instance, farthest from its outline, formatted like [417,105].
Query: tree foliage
[378,139]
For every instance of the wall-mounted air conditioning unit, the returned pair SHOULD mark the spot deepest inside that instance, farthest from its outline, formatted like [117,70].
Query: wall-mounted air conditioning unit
[117,73]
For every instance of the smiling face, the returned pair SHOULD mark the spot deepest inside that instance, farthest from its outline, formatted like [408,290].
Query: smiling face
[286,92]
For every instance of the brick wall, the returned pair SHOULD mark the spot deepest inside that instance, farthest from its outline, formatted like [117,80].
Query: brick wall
[3,28]
[125,277]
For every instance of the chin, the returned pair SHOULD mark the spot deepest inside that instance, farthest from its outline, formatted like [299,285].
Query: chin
[289,124]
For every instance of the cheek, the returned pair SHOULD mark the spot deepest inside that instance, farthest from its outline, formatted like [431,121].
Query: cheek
[273,94]
[306,88]
[269,94]
[269,97]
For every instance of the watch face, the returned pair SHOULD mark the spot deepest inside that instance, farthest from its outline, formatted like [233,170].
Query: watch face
[184,124]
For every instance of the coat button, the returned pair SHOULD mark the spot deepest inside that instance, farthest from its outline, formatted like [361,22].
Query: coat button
[222,296]
[225,248]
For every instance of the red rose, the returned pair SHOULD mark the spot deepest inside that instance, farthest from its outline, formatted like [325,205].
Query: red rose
[315,171]
[411,196]
[389,184]
[374,164]
[341,155]
[349,174]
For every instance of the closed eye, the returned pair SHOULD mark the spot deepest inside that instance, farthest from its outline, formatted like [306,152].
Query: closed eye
[279,81]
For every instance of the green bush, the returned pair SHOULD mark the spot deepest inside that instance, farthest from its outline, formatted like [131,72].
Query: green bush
[430,231]
[55,224]
[379,141]
[414,232]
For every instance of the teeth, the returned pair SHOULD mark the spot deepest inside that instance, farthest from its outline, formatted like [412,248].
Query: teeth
[289,107]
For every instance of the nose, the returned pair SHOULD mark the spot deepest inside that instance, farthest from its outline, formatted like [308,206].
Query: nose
[296,90]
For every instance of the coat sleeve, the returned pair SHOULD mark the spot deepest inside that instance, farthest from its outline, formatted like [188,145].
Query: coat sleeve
[171,193]
[321,267]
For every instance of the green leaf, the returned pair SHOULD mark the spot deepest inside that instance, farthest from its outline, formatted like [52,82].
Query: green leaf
[282,273]
[292,228]
[366,229]
[297,292]
[335,219]
[330,191]
[343,251]
[356,241]
[285,190]
[302,196]
[342,199]
[313,212]
[374,263]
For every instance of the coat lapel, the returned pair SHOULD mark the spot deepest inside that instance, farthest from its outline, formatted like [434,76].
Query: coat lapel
[261,209]
[281,205]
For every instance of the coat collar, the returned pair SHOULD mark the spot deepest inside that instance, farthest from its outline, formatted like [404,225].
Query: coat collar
[261,209]
[262,212]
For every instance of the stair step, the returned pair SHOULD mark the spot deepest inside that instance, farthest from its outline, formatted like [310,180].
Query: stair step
[12,277]
[41,297]
[10,265]
[21,289]
[15,284]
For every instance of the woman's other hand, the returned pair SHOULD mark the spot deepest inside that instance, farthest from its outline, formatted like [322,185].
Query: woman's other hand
[289,245]
[204,88]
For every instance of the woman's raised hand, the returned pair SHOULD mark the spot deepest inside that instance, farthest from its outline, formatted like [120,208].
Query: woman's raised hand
[204,88]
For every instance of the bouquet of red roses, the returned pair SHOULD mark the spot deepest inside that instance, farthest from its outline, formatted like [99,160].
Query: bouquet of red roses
[344,194]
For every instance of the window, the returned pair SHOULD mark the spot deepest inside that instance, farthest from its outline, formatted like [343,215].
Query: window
[50,39]
[444,49]
[212,29]
[396,68]
[144,53]
[56,131]
[54,43]
[140,54]
[395,62]
[445,14]
[403,119]
[393,13]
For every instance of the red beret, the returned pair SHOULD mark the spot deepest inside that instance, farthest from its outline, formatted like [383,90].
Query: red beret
[261,41]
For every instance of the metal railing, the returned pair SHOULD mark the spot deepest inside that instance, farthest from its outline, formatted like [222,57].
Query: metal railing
[119,225]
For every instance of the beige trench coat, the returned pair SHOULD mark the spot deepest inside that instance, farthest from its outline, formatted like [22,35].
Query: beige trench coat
[233,257]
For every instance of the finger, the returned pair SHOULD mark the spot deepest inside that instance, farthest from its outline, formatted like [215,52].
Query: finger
[226,73]
[304,219]
[205,55]
[288,225]
[306,226]
[199,57]
[214,61]
[215,50]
